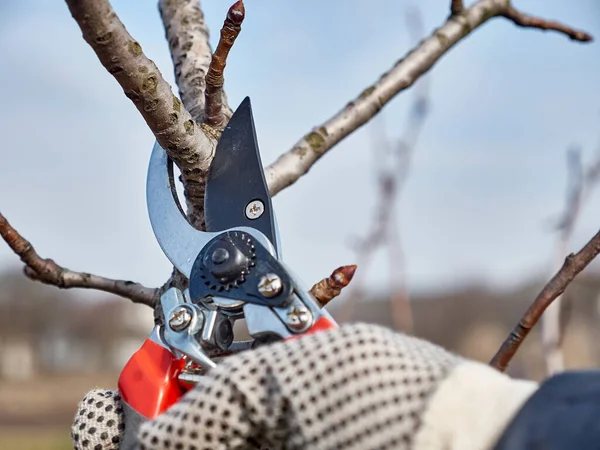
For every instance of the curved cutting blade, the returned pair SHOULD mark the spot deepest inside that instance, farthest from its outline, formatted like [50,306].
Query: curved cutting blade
[179,240]
[236,190]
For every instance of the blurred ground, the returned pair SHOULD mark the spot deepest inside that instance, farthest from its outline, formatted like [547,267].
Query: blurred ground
[36,413]
[35,438]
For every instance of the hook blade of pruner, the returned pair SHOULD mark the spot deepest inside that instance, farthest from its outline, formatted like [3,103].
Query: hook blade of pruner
[178,239]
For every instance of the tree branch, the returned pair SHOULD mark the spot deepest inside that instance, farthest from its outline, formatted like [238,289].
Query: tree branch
[48,272]
[188,37]
[523,20]
[572,266]
[214,115]
[190,146]
[290,166]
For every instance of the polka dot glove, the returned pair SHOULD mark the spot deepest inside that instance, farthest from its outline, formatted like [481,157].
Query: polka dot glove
[358,387]
[99,421]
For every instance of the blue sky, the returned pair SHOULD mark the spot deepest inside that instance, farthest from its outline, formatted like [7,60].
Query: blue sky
[487,175]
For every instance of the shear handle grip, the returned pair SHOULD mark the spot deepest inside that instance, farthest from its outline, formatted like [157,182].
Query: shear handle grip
[149,382]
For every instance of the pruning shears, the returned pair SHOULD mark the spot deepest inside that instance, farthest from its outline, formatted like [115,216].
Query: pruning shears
[234,270]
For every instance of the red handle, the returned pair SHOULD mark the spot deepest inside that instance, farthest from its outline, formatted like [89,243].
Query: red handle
[149,381]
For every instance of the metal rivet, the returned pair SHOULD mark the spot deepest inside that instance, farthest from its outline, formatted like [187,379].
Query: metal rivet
[298,317]
[270,285]
[255,209]
[180,318]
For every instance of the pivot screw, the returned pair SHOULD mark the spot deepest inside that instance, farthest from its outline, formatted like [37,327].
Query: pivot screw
[220,255]
[255,209]
[180,318]
[270,285]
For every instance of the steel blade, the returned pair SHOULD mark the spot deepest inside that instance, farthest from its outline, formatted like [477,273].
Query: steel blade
[236,190]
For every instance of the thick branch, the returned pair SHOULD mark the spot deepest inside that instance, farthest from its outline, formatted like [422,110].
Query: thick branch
[188,37]
[329,288]
[555,287]
[48,272]
[187,144]
[290,166]
[523,20]
[214,114]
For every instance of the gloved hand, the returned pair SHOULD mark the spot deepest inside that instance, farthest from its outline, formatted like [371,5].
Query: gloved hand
[360,386]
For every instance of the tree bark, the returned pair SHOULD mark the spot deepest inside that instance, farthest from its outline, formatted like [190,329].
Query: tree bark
[188,37]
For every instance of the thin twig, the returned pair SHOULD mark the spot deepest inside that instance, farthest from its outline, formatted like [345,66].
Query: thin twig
[329,288]
[188,37]
[572,266]
[296,162]
[456,7]
[524,20]
[232,26]
[581,183]
[48,272]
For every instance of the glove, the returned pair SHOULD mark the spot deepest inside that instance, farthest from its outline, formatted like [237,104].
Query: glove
[99,421]
[357,387]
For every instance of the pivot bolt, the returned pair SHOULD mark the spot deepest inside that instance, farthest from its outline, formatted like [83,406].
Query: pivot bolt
[255,209]
[270,285]
[180,318]
[220,255]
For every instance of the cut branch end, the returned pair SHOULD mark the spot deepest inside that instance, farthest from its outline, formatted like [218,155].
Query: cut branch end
[329,288]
